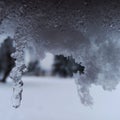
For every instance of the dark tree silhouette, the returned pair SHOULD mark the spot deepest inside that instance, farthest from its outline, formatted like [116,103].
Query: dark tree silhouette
[66,66]
[6,61]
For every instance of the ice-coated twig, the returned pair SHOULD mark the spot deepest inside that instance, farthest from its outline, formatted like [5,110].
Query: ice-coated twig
[83,90]
[17,72]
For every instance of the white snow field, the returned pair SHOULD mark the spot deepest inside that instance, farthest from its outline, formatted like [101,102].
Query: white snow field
[57,99]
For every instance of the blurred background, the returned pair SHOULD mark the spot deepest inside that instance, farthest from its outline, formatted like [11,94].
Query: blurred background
[50,92]
[51,66]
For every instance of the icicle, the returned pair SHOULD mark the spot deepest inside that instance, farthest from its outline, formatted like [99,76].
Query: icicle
[83,90]
[17,72]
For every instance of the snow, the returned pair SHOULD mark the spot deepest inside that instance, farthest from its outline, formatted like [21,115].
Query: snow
[57,99]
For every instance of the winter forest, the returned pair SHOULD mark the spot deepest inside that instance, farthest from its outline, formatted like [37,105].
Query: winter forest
[61,58]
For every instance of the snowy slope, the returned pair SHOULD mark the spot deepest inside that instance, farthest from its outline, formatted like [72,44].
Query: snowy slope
[57,99]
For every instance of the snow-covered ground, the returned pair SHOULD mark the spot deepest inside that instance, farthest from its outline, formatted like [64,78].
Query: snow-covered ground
[57,99]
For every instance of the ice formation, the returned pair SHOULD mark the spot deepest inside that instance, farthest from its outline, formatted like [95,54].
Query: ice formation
[89,30]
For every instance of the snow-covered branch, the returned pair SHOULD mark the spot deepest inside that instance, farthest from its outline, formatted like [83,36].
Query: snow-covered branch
[87,30]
